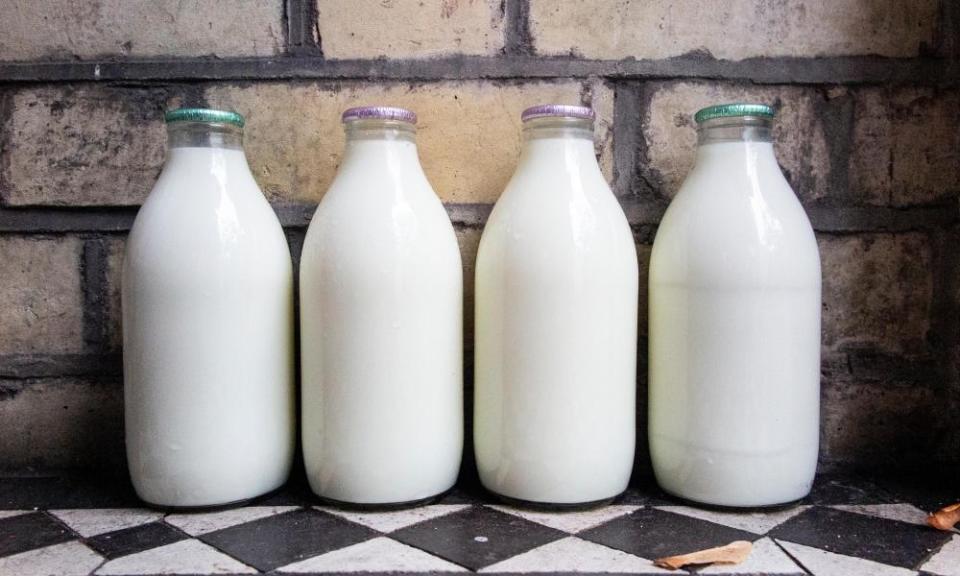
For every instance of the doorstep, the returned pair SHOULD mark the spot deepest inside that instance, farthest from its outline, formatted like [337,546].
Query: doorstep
[848,525]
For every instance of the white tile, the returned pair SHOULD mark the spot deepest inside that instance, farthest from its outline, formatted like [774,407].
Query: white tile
[570,522]
[67,559]
[901,512]
[946,562]
[765,558]
[822,563]
[91,522]
[12,513]
[572,554]
[378,555]
[390,521]
[183,557]
[204,522]
[756,522]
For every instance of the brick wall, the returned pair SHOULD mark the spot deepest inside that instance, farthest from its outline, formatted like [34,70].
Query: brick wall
[868,134]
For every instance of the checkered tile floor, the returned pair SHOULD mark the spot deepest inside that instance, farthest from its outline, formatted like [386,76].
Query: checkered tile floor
[844,528]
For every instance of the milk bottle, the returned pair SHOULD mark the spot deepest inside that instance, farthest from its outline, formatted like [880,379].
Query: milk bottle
[207,326]
[556,324]
[381,325]
[735,324]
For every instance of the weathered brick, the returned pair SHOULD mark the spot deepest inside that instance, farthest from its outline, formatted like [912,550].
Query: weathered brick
[112,313]
[469,240]
[906,146]
[86,30]
[877,291]
[671,137]
[602,102]
[876,425]
[643,259]
[469,132]
[61,423]
[81,146]
[398,29]
[733,29]
[951,367]
[41,306]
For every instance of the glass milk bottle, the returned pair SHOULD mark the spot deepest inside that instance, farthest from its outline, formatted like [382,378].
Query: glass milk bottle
[207,326]
[381,324]
[556,324]
[735,324]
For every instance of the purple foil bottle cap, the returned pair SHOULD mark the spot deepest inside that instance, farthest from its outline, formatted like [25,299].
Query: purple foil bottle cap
[557,110]
[378,113]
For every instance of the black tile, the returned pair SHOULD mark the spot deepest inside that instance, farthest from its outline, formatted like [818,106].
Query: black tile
[930,492]
[61,492]
[279,540]
[293,494]
[29,531]
[652,533]
[477,537]
[465,495]
[885,541]
[136,539]
[645,495]
[834,489]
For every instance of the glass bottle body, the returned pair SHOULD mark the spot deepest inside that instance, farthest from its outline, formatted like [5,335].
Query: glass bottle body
[734,346]
[208,330]
[556,327]
[381,328]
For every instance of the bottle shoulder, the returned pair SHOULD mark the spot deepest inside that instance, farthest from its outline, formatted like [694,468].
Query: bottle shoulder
[188,218]
[358,224]
[718,202]
[539,199]
[542,228]
[707,238]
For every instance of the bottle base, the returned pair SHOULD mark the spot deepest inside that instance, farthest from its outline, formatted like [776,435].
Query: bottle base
[705,504]
[191,508]
[381,506]
[201,507]
[742,479]
[552,506]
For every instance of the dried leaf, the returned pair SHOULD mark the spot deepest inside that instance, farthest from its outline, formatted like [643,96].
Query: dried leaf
[732,553]
[945,518]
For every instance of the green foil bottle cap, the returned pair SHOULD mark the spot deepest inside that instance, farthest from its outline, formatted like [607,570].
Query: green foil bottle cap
[203,115]
[733,110]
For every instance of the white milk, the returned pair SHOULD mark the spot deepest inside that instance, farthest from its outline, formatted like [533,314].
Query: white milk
[735,329]
[381,327]
[208,331]
[556,327]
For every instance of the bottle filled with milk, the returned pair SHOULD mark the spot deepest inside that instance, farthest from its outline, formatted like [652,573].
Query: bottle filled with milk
[381,320]
[208,356]
[556,324]
[735,324]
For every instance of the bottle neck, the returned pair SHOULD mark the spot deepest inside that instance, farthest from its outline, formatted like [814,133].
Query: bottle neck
[737,129]
[571,138]
[209,153]
[372,140]
[741,145]
[204,135]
